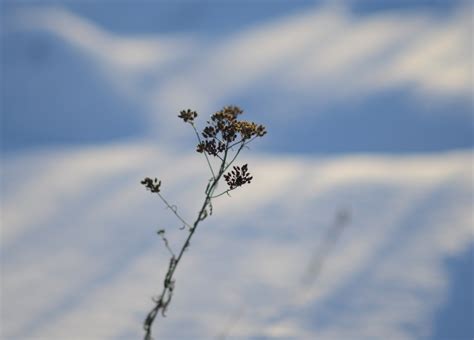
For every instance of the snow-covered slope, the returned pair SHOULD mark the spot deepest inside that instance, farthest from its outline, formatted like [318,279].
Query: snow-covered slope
[80,257]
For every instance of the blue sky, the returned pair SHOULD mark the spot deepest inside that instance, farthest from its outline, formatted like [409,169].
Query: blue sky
[368,105]
[404,113]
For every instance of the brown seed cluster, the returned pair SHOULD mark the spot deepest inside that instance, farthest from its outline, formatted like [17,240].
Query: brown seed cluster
[238,177]
[188,115]
[224,129]
[152,185]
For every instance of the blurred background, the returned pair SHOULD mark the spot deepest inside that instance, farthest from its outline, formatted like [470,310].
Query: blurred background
[358,224]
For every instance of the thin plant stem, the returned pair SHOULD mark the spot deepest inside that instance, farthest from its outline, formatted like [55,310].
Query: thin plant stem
[168,285]
[225,123]
[235,156]
[173,209]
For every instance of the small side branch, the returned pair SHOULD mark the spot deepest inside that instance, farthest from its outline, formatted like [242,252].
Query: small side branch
[223,193]
[165,240]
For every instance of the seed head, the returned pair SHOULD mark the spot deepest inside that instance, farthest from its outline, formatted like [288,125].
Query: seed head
[187,115]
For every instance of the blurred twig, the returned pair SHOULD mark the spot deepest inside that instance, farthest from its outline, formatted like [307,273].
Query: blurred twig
[231,324]
[321,253]
[313,269]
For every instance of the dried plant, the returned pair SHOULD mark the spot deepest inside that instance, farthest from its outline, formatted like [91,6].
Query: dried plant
[223,138]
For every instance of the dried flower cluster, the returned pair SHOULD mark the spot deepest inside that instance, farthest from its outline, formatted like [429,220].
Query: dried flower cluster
[222,134]
[187,115]
[238,177]
[223,129]
[152,185]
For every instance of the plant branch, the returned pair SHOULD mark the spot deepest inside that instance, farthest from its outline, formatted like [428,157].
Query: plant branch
[225,124]
[205,154]
[174,209]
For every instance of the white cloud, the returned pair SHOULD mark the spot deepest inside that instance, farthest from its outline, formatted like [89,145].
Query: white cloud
[92,258]
[390,50]
[135,53]
[326,52]
[127,61]
[330,54]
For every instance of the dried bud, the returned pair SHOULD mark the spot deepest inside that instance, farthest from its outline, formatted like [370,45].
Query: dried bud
[261,131]
[201,147]
[187,115]
[209,132]
[152,185]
